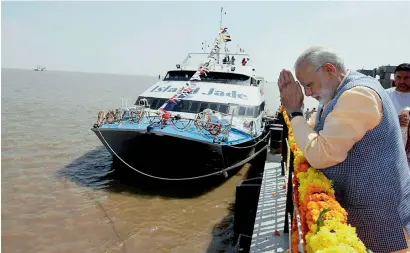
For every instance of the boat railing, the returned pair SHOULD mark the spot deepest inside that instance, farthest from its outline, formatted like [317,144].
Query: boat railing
[196,59]
[209,123]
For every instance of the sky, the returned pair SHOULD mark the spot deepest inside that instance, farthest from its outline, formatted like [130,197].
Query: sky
[148,38]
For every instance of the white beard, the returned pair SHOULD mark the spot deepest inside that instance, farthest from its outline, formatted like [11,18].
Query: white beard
[325,97]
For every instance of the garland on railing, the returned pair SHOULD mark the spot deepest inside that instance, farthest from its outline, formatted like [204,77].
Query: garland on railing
[209,123]
[323,220]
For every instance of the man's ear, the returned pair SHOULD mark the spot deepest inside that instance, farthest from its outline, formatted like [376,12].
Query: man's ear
[329,68]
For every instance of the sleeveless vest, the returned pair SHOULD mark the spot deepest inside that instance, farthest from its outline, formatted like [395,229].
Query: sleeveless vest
[373,183]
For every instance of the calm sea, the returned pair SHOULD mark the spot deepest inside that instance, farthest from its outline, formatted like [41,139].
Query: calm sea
[61,192]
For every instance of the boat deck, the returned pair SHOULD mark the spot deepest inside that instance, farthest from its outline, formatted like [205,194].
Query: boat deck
[270,216]
[192,132]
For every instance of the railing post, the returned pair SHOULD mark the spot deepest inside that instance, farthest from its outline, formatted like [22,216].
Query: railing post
[284,143]
[289,194]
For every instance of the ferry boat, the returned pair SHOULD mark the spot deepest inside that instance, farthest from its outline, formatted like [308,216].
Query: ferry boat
[204,118]
[39,68]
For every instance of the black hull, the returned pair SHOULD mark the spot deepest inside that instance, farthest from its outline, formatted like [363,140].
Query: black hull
[174,157]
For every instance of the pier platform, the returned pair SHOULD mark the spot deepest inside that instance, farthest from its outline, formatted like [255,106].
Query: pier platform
[264,205]
[270,214]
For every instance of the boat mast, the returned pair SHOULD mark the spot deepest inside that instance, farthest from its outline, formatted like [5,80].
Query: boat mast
[220,23]
[220,37]
[185,90]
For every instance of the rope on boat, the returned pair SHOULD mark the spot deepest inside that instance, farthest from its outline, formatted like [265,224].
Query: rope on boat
[186,178]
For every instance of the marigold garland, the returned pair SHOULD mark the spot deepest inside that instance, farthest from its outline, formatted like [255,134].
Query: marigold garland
[323,219]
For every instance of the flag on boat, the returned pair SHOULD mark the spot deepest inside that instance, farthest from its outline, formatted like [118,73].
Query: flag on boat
[203,71]
[227,38]
[195,78]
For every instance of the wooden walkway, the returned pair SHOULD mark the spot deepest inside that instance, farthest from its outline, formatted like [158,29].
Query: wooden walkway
[270,216]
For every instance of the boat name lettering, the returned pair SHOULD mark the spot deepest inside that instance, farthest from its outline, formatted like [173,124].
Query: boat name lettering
[210,92]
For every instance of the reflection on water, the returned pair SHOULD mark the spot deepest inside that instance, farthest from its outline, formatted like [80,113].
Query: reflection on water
[119,179]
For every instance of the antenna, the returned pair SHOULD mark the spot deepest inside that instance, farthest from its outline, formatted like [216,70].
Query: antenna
[220,23]
[204,46]
[220,35]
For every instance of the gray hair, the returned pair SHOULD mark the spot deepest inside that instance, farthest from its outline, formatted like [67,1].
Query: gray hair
[317,56]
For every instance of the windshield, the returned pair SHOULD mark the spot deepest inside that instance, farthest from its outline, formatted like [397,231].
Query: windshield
[192,106]
[215,77]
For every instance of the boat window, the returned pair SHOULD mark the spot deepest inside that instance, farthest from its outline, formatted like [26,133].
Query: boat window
[181,106]
[242,110]
[179,75]
[204,106]
[250,111]
[161,102]
[198,106]
[215,77]
[253,82]
[223,108]
[224,77]
[214,107]
[154,103]
[194,107]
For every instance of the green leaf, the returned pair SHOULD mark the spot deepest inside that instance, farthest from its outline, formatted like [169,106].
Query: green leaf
[321,220]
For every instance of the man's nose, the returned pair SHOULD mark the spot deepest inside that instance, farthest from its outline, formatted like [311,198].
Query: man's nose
[308,92]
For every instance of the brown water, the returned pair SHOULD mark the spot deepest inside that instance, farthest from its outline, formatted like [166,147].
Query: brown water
[59,191]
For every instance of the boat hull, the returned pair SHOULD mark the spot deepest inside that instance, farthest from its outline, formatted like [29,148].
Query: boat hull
[168,156]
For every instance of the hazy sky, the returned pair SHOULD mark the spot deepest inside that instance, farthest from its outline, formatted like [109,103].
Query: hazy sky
[151,37]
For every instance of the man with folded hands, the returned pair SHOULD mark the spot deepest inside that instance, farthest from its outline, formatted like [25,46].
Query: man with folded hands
[356,142]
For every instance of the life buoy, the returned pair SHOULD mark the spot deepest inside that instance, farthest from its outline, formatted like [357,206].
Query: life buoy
[214,128]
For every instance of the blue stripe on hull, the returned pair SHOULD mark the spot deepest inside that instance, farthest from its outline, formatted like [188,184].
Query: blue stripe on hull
[235,136]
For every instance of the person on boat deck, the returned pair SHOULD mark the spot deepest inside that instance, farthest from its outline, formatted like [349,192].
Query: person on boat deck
[400,95]
[244,62]
[350,145]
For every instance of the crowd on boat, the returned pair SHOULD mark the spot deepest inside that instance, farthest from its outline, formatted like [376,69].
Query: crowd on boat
[359,139]
[231,60]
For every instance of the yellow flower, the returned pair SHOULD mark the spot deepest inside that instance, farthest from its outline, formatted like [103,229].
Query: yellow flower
[331,234]
[313,177]
[341,248]
[298,158]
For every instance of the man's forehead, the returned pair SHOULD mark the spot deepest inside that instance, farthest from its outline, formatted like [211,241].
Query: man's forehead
[403,73]
[304,73]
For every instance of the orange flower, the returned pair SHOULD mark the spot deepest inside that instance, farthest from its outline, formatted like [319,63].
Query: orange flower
[318,193]
[282,109]
[317,202]
[303,167]
[295,234]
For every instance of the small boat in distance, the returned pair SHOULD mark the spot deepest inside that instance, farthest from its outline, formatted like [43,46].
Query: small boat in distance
[204,118]
[39,68]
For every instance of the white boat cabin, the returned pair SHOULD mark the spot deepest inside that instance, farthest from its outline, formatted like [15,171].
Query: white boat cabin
[230,86]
